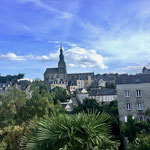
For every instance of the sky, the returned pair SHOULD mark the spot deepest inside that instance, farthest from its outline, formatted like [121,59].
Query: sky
[101,36]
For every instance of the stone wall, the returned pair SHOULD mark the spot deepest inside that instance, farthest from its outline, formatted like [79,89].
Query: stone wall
[133,100]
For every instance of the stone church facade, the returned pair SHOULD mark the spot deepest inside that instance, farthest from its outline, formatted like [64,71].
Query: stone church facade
[59,77]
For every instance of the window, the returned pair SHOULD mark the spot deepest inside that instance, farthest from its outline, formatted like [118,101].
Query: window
[127,93]
[128,107]
[138,93]
[125,118]
[141,118]
[140,106]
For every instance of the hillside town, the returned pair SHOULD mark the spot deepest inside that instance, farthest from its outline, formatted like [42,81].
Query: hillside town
[75,75]
[124,97]
[131,91]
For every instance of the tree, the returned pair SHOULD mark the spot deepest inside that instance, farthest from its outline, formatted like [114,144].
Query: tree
[142,142]
[17,110]
[60,94]
[129,129]
[87,105]
[24,84]
[12,110]
[110,85]
[11,78]
[66,132]
[112,110]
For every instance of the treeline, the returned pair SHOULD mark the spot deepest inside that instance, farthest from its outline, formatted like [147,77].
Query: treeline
[11,78]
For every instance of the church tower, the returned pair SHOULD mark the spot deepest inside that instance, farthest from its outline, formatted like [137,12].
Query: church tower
[61,63]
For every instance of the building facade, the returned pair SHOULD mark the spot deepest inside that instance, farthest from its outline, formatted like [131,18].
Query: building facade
[133,94]
[101,83]
[103,95]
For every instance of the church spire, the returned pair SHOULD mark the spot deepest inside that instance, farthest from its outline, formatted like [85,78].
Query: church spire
[60,47]
[61,63]
[61,56]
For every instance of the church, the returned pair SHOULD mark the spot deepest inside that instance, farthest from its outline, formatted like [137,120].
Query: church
[58,77]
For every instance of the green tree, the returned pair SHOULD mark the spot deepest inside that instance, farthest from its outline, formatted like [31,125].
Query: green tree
[67,132]
[110,85]
[11,78]
[142,142]
[129,129]
[17,110]
[87,105]
[60,94]
[112,110]
[12,107]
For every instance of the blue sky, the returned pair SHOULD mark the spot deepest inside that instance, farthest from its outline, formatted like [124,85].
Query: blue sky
[100,35]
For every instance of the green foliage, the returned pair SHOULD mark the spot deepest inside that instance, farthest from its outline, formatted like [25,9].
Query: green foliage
[87,105]
[17,109]
[38,84]
[143,126]
[129,129]
[66,132]
[133,128]
[60,94]
[11,136]
[142,142]
[112,110]
[10,78]
[13,107]
[110,85]
[148,112]
[24,84]
[70,132]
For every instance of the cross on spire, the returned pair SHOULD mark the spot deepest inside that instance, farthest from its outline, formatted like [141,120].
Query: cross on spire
[60,48]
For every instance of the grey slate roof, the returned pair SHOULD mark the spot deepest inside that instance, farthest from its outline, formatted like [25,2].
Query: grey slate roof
[51,70]
[102,92]
[80,76]
[72,82]
[134,79]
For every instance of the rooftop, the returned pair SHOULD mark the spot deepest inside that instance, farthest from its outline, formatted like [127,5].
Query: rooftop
[134,79]
[51,70]
[100,92]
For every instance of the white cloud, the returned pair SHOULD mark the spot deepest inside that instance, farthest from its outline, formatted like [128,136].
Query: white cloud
[55,42]
[123,42]
[74,56]
[50,57]
[72,65]
[81,57]
[12,56]
[131,68]
[64,43]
